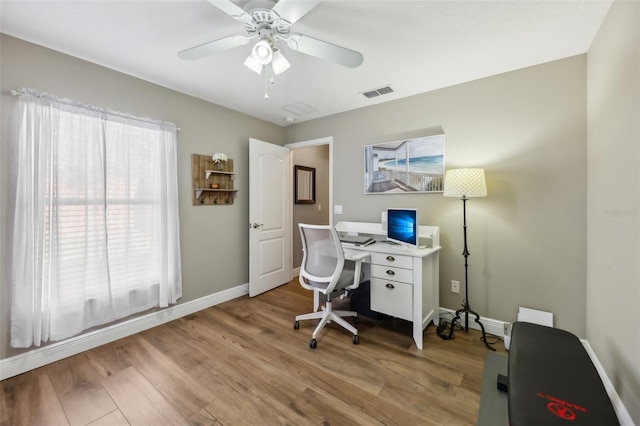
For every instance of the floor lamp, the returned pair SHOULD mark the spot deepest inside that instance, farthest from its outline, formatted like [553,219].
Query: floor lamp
[465,184]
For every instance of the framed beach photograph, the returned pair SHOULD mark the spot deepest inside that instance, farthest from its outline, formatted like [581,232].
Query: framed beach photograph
[405,166]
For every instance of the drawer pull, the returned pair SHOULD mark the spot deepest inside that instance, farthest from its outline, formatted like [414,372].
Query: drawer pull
[390,286]
[390,272]
[391,258]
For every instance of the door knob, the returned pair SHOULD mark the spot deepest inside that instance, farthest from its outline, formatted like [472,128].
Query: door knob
[256,225]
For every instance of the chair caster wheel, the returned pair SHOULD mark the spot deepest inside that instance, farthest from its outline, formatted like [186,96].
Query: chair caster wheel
[313,343]
[356,339]
[296,325]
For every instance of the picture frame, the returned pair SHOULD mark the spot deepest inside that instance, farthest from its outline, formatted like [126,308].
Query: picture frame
[305,184]
[406,166]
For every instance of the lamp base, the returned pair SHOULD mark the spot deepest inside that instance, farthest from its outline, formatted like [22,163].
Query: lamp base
[466,310]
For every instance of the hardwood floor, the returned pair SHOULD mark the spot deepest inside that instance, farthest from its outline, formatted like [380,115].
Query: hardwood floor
[242,363]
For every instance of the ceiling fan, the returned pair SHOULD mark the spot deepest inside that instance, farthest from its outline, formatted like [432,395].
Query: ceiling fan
[269,26]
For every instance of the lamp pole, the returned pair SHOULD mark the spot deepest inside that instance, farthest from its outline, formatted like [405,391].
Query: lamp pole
[466,308]
[465,253]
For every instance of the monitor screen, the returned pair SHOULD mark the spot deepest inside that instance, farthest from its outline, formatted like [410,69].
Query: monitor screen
[402,226]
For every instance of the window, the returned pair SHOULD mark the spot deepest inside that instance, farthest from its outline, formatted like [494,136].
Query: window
[96,235]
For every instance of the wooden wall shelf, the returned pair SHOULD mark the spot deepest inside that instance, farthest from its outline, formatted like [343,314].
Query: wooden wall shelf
[212,184]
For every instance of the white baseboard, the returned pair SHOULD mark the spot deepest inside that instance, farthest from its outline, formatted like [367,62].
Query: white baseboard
[618,406]
[38,357]
[491,326]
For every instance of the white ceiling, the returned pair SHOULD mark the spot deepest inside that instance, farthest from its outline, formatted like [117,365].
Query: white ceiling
[413,46]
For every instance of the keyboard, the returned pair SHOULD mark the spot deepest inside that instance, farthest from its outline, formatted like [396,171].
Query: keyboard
[357,240]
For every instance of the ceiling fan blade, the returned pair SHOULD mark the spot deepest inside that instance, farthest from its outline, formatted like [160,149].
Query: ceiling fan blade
[232,10]
[324,50]
[292,10]
[214,46]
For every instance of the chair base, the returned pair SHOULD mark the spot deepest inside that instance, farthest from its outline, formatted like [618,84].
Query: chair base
[327,315]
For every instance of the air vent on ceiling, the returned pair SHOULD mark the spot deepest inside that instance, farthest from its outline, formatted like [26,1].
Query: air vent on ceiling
[299,108]
[377,92]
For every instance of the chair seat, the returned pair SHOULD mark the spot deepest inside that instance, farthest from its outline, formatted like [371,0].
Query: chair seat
[346,280]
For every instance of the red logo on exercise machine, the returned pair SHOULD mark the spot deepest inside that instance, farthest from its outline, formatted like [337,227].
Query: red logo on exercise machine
[561,408]
[561,411]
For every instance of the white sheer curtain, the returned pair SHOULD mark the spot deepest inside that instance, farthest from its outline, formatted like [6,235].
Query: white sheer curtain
[96,230]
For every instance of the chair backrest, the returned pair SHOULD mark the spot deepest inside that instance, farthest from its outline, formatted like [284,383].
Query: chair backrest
[323,258]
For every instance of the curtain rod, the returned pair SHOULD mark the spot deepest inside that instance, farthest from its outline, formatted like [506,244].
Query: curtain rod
[32,92]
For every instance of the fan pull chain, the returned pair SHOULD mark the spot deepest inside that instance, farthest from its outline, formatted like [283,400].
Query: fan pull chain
[268,70]
[266,85]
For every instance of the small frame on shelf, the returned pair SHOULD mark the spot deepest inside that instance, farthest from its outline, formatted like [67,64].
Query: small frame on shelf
[305,184]
[212,182]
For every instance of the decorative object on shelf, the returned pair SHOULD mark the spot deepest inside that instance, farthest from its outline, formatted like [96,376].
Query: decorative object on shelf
[405,166]
[305,184]
[212,180]
[465,184]
[219,159]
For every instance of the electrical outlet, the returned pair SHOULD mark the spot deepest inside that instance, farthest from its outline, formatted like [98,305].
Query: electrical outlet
[507,328]
[455,286]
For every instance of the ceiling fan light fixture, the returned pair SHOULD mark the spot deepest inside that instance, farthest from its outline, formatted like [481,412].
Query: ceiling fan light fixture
[279,63]
[253,65]
[262,52]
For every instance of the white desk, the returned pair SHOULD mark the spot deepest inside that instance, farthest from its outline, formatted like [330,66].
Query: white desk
[404,282]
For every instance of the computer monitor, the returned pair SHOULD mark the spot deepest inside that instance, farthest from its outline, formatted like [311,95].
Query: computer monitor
[402,226]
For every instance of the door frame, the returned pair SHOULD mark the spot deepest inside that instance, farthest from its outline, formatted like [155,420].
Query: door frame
[326,140]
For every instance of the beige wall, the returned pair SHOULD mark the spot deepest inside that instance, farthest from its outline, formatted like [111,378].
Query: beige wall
[214,239]
[318,213]
[527,239]
[613,230]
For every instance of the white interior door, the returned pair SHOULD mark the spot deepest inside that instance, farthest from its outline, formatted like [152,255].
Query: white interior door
[269,216]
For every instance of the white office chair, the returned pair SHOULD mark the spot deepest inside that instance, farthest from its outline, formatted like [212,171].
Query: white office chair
[323,271]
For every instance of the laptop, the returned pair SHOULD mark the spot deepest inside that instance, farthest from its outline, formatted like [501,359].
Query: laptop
[356,240]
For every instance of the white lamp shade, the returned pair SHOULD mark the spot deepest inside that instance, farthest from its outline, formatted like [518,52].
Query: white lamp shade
[262,52]
[253,65]
[279,63]
[465,183]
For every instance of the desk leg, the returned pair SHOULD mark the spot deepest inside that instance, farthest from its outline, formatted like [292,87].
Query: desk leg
[417,334]
[417,301]
[426,292]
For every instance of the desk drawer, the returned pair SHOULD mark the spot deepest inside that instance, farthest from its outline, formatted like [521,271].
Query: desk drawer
[392,298]
[392,273]
[387,259]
